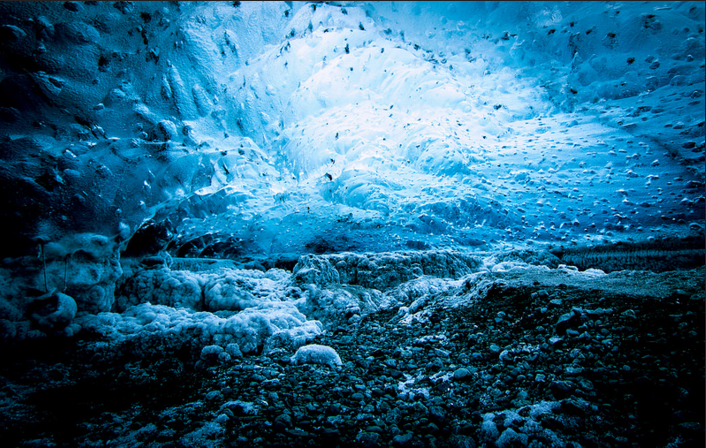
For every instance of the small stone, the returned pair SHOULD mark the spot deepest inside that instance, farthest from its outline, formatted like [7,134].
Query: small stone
[402,440]
[330,432]
[461,441]
[222,419]
[368,439]
[437,414]
[234,351]
[211,353]
[462,374]
[443,353]
[574,407]
[282,422]
[506,357]
[567,321]
[573,370]
[555,340]
[316,354]
[213,395]
[555,303]
[419,407]
[296,432]
[71,6]
[442,386]
[510,438]
[562,388]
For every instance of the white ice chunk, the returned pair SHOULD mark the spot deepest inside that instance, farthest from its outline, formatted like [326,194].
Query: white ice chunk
[316,354]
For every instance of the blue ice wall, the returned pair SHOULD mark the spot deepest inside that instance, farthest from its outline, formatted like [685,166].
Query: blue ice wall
[272,129]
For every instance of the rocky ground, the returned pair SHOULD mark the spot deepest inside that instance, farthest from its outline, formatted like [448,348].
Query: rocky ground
[517,358]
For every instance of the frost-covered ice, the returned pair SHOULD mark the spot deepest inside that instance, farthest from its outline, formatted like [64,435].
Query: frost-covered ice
[218,308]
[316,354]
[251,329]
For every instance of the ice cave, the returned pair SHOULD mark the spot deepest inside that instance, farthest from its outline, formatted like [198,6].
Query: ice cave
[352,224]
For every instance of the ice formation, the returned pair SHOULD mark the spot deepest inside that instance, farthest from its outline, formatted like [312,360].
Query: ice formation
[316,354]
[195,188]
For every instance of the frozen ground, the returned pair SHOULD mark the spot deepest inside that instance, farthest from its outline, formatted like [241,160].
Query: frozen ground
[428,349]
[372,223]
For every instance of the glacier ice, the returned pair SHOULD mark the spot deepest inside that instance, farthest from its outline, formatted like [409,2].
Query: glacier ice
[316,354]
[212,142]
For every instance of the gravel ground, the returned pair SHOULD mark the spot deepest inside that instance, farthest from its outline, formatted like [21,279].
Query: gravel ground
[504,360]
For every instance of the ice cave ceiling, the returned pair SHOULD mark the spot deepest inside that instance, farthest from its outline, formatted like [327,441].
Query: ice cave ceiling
[265,130]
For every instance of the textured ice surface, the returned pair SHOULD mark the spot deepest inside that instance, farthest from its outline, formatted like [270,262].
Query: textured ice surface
[147,327]
[316,354]
[228,312]
[278,129]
